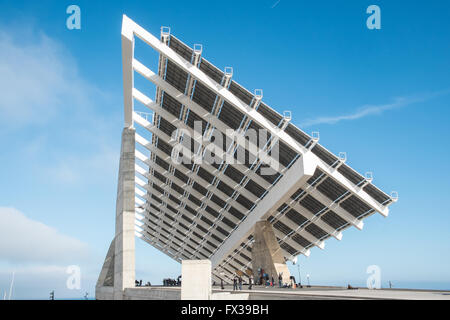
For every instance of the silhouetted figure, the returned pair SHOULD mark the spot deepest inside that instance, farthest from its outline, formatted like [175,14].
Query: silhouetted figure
[261,276]
[280,280]
[250,282]
[235,287]
[240,283]
[221,284]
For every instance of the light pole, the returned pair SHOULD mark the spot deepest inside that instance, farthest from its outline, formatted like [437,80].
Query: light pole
[307,276]
[299,277]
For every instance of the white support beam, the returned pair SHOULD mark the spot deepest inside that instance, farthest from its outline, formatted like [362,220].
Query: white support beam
[185,171]
[128,72]
[150,189]
[173,240]
[177,243]
[225,94]
[195,207]
[301,231]
[276,195]
[175,223]
[241,141]
[183,185]
[317,221]
[359,224]
[168,201]
[160,248]
[296,176]
[160,134]
[284,238]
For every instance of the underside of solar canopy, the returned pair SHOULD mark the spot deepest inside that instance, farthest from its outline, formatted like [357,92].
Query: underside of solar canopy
[208,210]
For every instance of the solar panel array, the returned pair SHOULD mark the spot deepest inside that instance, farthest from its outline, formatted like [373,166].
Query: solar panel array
[191,209]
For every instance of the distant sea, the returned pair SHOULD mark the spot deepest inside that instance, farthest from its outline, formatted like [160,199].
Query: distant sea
[396,284]
[411,285]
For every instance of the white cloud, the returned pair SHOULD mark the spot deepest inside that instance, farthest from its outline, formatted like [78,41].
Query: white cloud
[39,256]
[36,79]
[370,110]
[72,169]
[60,128]
[41,85]
[23,240]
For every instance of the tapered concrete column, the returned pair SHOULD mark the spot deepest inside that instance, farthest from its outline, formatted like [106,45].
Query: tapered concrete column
[124,253]
[267,254]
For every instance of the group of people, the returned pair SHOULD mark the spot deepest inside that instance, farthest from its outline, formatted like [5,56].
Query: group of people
[138,283]
[172,282]
[166,282]
[264,280]
[237,283]
[267,281]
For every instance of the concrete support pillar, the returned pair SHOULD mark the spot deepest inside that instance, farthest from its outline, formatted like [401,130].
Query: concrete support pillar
[267,254]
[196,280]
[124,251]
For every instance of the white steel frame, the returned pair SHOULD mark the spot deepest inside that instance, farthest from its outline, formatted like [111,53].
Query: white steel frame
[292,178]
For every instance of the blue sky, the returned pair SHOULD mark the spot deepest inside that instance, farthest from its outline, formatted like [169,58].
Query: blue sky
[382,96]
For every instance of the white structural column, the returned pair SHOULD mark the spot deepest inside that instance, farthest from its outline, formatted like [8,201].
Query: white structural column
[196,280]
[295,177]
[128,72]
[124,254]
[118,271]
[124,260]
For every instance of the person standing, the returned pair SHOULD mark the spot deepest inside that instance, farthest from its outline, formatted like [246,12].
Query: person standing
[234,284]
[250,282]
[240,283]
[280,280]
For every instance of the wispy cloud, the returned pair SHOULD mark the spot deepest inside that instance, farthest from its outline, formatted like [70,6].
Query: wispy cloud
[275,4]
[38,79]
[72,168]
[371,110]
[25,240]
[62,114]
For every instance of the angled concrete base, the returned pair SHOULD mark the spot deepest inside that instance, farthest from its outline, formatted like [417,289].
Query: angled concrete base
[104,289]
[267,254]
[118,271]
